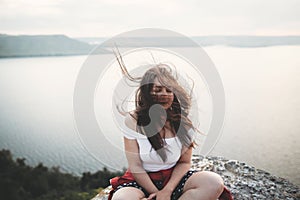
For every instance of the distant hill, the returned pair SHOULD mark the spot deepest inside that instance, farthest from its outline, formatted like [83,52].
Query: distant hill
[92,40]
[61,45]
[247,41]
[234,41]
[41,45]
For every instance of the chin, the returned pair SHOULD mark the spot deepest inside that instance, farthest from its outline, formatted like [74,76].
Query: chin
[166,107]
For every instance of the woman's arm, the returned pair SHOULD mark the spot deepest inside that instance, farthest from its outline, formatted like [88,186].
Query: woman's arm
[182,166]
[134,160]
[135,166]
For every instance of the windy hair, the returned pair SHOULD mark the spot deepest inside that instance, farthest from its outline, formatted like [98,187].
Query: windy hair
[176,114]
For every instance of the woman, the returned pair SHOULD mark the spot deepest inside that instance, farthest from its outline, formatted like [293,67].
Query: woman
[158,143]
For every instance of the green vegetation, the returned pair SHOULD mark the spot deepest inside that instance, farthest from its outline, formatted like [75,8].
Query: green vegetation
[19,181]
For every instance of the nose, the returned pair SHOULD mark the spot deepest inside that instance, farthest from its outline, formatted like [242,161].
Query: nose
[164,91]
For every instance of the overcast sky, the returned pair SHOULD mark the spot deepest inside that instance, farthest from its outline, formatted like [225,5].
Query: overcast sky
[106,18]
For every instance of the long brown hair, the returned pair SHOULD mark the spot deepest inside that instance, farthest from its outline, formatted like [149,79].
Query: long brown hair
[177,114]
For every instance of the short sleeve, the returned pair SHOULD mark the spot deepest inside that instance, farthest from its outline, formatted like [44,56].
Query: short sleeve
[129,135]
[192,134]
[126,131]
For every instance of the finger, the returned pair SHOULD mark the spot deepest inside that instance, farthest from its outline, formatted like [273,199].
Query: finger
[151,196]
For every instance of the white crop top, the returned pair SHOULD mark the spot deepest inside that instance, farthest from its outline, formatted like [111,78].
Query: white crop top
[150,159]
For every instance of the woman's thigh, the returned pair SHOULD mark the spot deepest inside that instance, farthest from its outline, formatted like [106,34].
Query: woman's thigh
[128,193]
[205,180]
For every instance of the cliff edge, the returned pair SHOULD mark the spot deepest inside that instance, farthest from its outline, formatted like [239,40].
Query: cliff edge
[244,181]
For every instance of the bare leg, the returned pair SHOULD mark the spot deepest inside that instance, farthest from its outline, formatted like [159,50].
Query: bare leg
[128,193]
[203,186]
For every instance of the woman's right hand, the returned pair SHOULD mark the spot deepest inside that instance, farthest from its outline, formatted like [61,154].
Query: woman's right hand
[151,196]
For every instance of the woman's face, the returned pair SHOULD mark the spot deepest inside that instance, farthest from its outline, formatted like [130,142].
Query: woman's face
[161,94]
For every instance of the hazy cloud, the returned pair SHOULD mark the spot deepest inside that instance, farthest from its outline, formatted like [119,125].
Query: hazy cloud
[110,17]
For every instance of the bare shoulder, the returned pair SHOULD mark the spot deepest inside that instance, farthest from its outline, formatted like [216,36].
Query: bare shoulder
[130,120]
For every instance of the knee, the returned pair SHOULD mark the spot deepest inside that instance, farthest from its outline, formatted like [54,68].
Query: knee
[128,193]
[125,197]
[208,181]
[122,196]
[214,182]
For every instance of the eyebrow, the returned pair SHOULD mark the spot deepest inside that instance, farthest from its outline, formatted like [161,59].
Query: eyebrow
[158,86]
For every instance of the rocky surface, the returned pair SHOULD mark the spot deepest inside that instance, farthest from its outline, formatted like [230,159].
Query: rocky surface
[244,181]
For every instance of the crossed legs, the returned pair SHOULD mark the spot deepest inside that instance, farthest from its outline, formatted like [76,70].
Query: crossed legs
[203,185]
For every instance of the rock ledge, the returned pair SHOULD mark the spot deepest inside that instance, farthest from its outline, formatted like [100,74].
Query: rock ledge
[244,181]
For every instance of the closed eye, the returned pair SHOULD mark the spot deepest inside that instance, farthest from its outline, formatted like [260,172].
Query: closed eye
[158,88]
